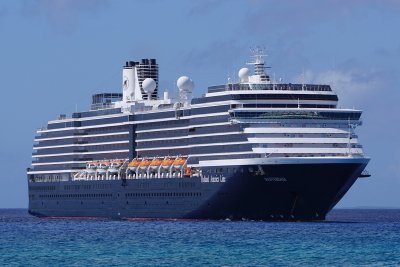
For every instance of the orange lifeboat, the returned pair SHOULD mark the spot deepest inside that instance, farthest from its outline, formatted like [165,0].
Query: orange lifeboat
[134,164]
[188,171]
[166,163]
[155,163]
[145,163]
[179,162]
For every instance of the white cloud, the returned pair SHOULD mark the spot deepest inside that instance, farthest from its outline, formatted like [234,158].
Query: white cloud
[350,85]
[62,14]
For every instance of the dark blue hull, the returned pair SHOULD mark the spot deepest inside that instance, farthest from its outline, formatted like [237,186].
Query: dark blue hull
[274,192]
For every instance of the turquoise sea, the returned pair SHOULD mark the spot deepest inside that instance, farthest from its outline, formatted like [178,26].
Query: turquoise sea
[348,237]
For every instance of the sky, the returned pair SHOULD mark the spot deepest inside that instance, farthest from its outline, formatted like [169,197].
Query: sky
[54,54]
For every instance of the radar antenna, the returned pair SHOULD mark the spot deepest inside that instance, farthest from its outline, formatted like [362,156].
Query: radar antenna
[257,56]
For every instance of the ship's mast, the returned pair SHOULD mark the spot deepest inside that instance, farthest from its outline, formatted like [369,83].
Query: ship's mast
[257,56]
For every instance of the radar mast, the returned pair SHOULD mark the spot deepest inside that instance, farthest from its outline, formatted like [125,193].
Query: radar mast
[257,59]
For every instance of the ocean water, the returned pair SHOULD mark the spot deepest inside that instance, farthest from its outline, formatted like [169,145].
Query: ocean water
[347,237]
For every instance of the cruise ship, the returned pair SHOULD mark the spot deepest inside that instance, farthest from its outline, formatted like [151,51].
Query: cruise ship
[252,148]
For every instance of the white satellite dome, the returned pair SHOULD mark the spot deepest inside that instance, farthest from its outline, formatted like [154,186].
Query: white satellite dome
[244,74]
[185,84]
[149,85]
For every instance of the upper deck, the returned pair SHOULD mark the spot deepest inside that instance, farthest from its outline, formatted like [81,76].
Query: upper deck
[269,87]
